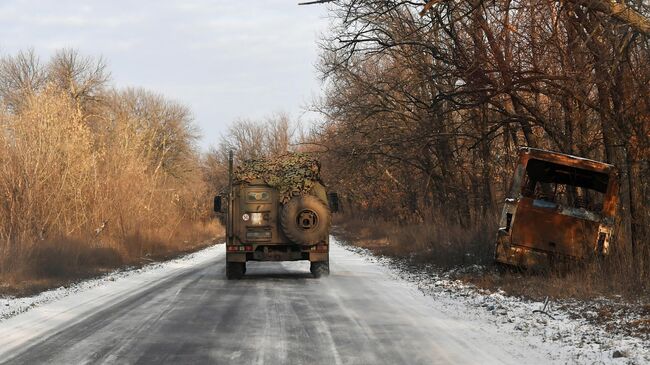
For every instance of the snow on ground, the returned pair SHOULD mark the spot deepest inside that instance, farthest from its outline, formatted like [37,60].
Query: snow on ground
[564,333]
[58,308]
[10,306]
[566,336]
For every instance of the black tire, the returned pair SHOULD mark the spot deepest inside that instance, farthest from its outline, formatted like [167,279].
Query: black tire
[320,268]
[306,220]
[235,270]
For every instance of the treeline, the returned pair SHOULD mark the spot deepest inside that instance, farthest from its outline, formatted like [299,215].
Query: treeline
[424,113]
[92,176]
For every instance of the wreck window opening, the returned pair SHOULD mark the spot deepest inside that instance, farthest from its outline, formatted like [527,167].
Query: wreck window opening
[565,185]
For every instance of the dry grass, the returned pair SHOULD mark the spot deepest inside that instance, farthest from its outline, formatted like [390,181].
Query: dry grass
[445,246]
[616,276]
[451,247]
[62,261]
[188,237]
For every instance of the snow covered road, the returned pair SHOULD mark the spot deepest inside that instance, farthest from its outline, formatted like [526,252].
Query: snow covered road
[186,312]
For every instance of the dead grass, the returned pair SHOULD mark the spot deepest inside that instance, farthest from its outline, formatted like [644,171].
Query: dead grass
[63,261]
[188,237]
[617,276]
[443,245]
[448,247]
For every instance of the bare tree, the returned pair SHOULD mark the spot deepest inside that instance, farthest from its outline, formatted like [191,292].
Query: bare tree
[248,139]
[20,76]
[446,97]
[84,78]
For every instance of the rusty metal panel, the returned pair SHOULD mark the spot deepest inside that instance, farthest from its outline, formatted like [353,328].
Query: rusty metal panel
[544,228]
[568,160]
[558,205]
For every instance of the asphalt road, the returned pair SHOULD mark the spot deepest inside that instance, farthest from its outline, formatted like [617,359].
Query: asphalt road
[277,314]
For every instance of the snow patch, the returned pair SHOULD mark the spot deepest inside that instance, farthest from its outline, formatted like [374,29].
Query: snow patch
[56,309]
[11,306]
[564,331]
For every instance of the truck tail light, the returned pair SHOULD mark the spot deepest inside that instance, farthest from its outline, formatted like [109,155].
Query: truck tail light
[233,248]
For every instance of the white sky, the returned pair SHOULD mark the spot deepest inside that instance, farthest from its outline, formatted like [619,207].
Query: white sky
[223,58]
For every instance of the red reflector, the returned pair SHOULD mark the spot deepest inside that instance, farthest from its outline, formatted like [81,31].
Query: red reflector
[235,248]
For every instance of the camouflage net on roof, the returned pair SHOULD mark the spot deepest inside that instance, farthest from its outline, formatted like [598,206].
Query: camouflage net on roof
[291,174]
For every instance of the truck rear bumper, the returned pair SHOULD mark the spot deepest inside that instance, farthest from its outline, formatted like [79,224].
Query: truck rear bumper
[277,256]
[255,252]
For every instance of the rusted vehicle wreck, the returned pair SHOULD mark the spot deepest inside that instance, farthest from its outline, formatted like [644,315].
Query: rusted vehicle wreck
[560,208]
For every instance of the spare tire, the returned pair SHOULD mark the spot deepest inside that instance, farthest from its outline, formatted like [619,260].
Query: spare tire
[305,220]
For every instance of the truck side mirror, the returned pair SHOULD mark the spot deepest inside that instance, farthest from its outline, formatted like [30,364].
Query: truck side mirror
[217,204]
[333,201]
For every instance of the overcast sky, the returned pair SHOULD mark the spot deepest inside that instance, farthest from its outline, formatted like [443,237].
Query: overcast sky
[223,58]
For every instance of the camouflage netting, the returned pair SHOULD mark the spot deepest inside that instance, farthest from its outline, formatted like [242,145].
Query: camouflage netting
[291,174]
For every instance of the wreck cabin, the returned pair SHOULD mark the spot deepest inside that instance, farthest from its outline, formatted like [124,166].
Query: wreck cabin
[559,206]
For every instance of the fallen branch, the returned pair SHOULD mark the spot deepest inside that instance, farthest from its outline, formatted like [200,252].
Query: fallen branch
[543,310]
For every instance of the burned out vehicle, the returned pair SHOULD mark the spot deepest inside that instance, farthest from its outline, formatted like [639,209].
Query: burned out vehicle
[276,210]
[560,208]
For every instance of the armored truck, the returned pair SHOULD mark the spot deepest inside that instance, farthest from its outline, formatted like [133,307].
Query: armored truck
[276,210]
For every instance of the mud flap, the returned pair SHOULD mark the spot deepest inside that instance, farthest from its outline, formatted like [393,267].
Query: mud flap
[318,256]
[236,257]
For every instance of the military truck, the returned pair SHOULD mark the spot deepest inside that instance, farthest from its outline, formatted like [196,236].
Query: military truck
[276,210]
[560,209]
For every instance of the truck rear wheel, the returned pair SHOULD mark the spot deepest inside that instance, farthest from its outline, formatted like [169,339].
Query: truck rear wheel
[306,220]
[320,268]
[235,270]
